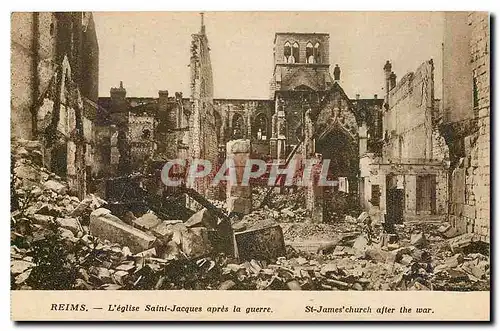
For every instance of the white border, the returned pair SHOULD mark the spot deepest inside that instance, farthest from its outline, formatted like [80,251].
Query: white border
[200,5]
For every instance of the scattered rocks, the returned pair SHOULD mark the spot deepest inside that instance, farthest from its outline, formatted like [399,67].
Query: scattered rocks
[195,242]
[147,221]
[55,186]
[108,227]
[94,249]
[202,218]
[418,240]
[20,266]
[71,224]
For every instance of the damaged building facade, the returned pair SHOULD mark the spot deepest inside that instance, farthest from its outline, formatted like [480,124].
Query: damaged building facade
[141,134]
[465,119]
[405,177]
[433,162]
[137,131]
[55,68]
[395,154]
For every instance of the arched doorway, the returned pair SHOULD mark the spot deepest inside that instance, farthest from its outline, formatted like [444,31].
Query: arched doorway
[340,149]
[237,126]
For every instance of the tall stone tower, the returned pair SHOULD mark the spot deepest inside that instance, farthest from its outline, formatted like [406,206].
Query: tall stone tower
[202,128]
[301,66]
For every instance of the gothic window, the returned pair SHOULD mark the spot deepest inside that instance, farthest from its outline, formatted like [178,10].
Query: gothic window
[237,126]
[316,53]
[261,127]
[287,52]
[295,53]
[310,53]
[146,134]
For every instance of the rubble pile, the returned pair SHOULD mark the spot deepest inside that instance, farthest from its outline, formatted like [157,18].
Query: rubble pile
[60,242]
[289,198]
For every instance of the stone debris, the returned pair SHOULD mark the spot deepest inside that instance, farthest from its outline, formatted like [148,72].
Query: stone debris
[59,242]
[147,221]
[109,227]
[418,240]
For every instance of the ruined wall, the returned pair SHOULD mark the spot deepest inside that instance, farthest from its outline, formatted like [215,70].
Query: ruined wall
[370,113]
[253,113]
[469,140]
[457,68]
[102,153]
[90,59]
[47,92]
[408,122]
[33,49]
[414,151]
[135,131]
[202,128]
[294,76]
[375,172]
[168,119]
[141,128]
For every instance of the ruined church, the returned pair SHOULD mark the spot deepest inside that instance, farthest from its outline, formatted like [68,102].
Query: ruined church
[307,111]
[392,156]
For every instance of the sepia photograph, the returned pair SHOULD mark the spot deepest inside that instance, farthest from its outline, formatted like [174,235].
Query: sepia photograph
[249,151]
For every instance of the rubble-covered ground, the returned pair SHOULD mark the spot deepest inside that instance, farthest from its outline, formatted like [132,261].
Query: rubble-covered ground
[59,242]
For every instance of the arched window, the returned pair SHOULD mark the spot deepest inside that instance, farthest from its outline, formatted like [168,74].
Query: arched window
[317,58]
[310,53]
[287,52]
[295,53]
[260,130]
[146,134]
[237,126]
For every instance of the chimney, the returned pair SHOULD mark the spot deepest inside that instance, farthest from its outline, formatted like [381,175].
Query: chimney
[375,96]
[118,94]
[163,94]
[357,96]
[387,73]
[162,100]
[392,80]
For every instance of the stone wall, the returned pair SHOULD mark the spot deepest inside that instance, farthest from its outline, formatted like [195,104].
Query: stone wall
[375,172]
[457,68]
[408,123]
[141,128]
[293,76]
[50,93]
[250,111]
[415,156]
[469,138]
[33,50]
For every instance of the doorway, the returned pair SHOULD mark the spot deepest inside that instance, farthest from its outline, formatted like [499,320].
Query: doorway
[426,194]
[395,201]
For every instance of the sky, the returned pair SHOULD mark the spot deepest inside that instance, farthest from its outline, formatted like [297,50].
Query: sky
[149,51]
